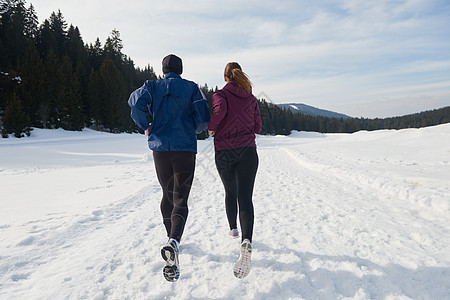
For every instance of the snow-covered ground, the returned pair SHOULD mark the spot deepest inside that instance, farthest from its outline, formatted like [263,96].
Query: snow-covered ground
[338,216]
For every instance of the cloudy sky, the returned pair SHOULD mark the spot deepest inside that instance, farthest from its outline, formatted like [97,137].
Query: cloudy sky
[363,58]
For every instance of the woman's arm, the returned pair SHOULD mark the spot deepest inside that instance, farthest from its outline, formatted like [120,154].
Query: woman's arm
[220,109]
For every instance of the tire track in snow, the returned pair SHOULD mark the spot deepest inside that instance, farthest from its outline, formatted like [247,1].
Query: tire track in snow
[366,175]
[388,220]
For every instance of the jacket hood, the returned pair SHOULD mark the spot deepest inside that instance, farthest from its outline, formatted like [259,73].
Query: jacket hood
[172,86]
[233,88]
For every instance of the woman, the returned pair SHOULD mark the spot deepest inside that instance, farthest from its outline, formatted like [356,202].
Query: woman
[234,122]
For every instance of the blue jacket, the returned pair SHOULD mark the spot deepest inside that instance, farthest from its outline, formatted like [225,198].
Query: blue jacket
[179,111]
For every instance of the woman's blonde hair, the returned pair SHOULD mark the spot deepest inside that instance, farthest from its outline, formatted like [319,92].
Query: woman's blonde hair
[233,71]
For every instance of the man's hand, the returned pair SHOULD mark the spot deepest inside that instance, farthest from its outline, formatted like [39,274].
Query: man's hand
[211,132]
[148,129]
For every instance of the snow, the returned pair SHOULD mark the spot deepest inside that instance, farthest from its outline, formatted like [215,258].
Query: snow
[337,216]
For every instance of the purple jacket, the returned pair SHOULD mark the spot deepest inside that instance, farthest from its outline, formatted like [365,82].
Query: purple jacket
[235,118]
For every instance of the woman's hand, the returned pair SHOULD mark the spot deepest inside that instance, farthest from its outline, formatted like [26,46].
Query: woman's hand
[211,132]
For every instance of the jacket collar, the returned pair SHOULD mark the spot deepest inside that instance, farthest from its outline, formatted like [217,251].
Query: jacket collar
[171,75]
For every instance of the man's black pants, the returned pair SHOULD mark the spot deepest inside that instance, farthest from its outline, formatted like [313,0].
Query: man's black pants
[175,171]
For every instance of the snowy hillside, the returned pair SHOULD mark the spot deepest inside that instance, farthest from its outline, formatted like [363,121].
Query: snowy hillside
[338,216]
[312,111]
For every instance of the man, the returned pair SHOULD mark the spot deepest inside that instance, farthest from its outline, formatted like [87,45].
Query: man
[179,110]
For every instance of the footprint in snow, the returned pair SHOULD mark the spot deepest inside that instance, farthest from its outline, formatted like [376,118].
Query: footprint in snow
[18,277]
[26,242]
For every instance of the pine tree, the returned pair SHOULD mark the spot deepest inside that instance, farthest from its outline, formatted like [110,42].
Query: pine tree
[53,85]
[75,46]
[32,89]
[267,127]
[12,31]
[70,111]
[113,46]
[31,24]
[46,39]
[52,36]
[3,55]
[82,75]
[114,91]
[95,54]
[142,75]
[58,28]
[95,99]
[15,120]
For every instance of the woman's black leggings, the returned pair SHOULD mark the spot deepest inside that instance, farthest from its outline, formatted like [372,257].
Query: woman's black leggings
[175,171]
[237,169]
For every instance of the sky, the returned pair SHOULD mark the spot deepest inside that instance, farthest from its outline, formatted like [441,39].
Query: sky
[370,59]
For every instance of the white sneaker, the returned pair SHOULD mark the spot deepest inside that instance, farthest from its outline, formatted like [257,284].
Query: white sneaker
[169,253]
[234,233]
[242,266]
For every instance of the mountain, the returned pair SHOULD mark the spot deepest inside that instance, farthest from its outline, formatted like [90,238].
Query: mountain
[312,111]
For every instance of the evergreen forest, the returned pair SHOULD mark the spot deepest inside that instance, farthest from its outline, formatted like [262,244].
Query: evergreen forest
[51,78]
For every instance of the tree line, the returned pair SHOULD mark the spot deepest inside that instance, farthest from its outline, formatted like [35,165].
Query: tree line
[277,120]
[49,78]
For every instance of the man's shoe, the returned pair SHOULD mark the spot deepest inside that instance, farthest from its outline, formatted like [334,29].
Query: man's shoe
[169,253]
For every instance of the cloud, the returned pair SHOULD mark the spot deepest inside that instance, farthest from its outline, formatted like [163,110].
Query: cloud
[325,53]
[392,106]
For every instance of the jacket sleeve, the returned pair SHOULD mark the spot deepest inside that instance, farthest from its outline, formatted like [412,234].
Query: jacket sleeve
[140,102]
[257,118]
[200,111]
[220,109]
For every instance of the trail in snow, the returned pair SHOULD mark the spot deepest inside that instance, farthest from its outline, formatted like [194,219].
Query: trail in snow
[362,216]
